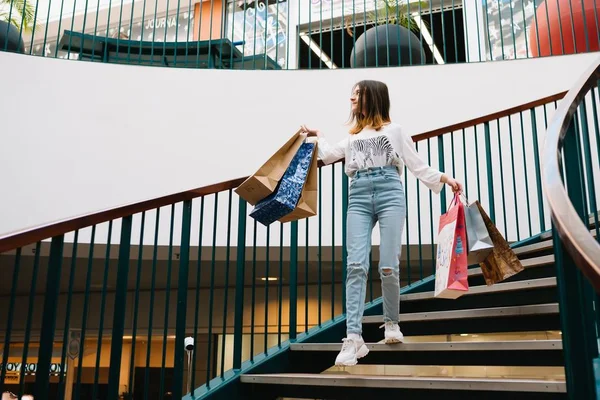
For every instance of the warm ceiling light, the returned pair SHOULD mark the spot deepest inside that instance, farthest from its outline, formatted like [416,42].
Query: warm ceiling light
[269,278]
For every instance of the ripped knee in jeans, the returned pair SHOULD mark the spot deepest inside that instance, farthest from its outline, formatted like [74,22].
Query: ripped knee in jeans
[355,267]
[386,272]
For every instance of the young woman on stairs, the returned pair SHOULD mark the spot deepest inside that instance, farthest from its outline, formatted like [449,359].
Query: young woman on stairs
[375,152]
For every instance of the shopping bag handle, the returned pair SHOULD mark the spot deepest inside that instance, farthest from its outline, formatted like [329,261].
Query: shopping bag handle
[454,200]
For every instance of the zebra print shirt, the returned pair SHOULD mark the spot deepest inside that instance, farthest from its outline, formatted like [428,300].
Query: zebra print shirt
[388,146]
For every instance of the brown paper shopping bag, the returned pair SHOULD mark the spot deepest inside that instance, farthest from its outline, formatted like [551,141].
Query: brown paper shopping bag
[307,205]
[502,262]
[264,181]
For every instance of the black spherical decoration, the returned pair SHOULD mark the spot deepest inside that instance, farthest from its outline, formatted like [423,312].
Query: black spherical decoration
[14,42]
[371,48]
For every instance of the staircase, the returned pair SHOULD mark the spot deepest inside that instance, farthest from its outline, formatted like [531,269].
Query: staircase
[526,302]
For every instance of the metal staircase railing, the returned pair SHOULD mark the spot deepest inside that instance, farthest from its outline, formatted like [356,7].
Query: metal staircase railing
[570,174]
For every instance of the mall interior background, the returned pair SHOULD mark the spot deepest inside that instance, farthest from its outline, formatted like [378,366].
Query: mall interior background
[294,34]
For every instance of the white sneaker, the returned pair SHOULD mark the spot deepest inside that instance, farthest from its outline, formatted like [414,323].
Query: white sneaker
[392,333]
[352,349]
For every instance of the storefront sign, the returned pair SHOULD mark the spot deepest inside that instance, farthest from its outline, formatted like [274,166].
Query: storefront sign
[162,22]
[177,27]
[31,368]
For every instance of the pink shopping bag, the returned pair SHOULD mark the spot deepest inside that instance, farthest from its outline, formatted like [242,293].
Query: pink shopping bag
[451,275]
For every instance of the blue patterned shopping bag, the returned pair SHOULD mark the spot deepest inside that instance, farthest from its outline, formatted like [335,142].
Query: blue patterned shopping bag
[287,194]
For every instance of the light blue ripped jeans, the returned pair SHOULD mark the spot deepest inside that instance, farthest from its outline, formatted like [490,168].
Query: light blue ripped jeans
[376,195]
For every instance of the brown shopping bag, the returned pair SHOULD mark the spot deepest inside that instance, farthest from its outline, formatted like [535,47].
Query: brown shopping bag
[307,205]
[502,262]
[264,181]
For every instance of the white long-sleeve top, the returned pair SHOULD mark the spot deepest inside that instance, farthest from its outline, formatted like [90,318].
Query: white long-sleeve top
[388,146]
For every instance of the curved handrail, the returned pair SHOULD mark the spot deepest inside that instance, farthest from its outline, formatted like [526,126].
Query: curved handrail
[573,232]
[26,236]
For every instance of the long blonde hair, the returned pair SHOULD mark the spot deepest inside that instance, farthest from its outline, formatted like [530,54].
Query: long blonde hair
[373,106]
